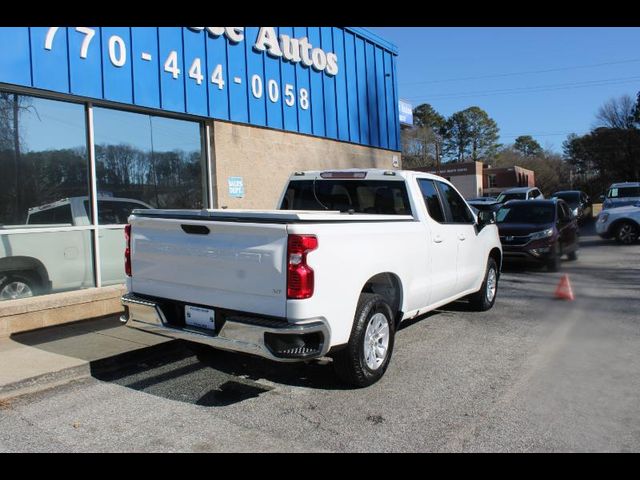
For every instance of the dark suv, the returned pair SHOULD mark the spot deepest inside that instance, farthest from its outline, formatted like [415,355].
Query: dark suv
[538,231]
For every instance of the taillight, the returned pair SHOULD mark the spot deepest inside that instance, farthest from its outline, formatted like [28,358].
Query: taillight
[127,250]
[299,274]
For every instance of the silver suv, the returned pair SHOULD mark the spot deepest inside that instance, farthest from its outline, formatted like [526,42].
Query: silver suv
[621,194]
[520,193]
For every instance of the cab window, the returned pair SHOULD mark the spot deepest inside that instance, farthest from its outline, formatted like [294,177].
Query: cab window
[455,204]
[431,199]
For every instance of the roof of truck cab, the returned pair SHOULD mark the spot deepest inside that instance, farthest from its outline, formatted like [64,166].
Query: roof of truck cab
[372,173]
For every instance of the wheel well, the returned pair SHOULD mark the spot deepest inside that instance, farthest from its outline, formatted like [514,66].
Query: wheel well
[388,286]
[497,256]
[25,264]
[614,226]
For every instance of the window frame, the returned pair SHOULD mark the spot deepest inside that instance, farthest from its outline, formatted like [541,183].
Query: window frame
[447,209]
[207,165]
[426,206]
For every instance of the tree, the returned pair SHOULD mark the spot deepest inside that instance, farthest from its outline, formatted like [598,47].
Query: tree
[527,146]
[636,112]
[422,145]
[424,115]
[552,173]
[617,113]
[471,133]
[604,156]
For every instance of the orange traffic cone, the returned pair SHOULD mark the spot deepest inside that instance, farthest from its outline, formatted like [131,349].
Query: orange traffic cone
[564,291]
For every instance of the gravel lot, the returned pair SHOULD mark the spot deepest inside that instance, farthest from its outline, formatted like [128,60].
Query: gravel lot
[532,374]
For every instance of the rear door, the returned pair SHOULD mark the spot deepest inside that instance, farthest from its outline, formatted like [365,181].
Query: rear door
[237,266]
[470,262]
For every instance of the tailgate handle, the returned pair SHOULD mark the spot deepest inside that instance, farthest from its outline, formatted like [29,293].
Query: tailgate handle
[195,229]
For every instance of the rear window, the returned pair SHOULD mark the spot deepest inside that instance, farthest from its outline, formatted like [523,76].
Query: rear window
[358,196]
[56,215]
[505,197]
[620,192]
[572,198]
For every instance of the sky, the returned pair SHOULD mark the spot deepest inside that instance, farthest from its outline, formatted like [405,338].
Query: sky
[543,82]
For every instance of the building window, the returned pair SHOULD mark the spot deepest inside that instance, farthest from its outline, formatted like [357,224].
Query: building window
[492,181]
[45,239]
[142,161]
[47,231]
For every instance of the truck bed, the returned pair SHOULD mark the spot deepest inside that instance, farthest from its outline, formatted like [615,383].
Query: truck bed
[270,216]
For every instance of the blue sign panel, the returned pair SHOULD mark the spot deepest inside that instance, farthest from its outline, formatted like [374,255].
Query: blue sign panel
[406,112]
[332,82]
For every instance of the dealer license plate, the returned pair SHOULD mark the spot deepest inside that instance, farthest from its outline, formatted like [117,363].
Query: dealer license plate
[199,317]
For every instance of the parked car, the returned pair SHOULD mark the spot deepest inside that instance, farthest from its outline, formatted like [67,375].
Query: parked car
[621,223]
[520,193]
[539,231]
[347,257]
[621,194]
[579,202]
[484,204]
[37,263]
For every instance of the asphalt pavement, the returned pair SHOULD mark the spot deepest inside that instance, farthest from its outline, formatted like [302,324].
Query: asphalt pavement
[534,374]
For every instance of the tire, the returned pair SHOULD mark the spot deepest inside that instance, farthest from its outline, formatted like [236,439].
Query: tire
[553,265]
[484,298]
[361,363]
[627,233]
[18,285]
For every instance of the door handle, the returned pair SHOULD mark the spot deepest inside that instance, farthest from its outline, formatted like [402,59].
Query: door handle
[461,236]
[437,238]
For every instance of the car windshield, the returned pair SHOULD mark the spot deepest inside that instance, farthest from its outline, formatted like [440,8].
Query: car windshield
[505,197]
[572,198]
[360,196]
[528,213]
[619,192]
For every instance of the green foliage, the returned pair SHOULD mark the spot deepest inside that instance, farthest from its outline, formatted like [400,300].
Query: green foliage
[424,115]
[609,153]
[527,146]
[471,135]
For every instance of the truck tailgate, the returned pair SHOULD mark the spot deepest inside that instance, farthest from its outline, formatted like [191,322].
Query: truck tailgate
[236,266]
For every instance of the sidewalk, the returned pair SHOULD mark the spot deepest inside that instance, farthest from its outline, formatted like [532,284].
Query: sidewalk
[40,359]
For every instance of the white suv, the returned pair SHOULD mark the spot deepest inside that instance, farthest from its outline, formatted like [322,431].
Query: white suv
[621,223]
[520,193]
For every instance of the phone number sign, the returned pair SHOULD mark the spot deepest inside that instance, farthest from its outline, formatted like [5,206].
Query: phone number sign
[323,81]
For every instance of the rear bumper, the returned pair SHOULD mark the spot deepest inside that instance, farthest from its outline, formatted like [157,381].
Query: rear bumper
[273,339]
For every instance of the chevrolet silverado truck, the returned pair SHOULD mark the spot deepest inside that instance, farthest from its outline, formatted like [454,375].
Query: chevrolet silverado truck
[347,256]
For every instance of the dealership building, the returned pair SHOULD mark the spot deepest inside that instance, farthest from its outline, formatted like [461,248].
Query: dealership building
[96,121]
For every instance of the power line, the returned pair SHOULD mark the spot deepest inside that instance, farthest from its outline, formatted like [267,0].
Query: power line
[511,74]
[532,89]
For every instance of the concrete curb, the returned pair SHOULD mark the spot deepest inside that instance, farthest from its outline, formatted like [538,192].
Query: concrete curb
[45,381]
[94,368]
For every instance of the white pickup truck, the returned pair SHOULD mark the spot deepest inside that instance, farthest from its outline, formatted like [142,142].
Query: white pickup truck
[347,257]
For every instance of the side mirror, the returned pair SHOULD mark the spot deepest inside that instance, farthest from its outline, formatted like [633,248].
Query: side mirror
[485,217]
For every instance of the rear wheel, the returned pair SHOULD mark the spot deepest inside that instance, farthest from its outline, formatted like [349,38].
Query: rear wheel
[366,357]
[627,233]
[18,285]
[484,298]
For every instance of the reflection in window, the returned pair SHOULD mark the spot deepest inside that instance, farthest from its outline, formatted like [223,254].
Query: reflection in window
[43,158]
[152,159]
